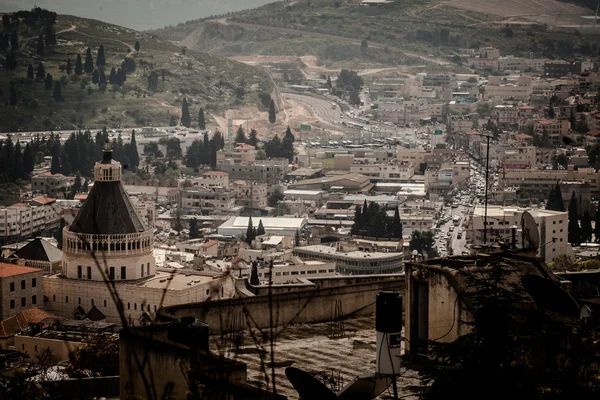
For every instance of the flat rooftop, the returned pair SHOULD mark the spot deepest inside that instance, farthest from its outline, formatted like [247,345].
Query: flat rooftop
[174,280]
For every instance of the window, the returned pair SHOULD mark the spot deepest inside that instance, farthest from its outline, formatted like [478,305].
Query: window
[148,269]
[23,301]
[92,301]
[135,306]
[123,272]
[129,306]
[207,292]
[34,282]
[33,299]
[104,303]
[66,299]
[23,284]
[12,304]
[79,300]
[111,273]
[53,297]
[142,270]
[89,272]
[12,286]
[79,272]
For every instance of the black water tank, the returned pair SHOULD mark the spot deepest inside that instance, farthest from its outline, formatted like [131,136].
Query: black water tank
[388,314]
[190,332]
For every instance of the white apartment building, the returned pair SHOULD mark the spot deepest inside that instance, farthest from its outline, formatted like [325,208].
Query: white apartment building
[241,154]
[508,92]
[212,179]
[510,63]
[251,195]
[23,220]
[544,180]
[552,226]
[207,201]
[401,171]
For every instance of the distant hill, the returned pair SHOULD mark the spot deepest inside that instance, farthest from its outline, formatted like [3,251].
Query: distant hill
[137,14]
[144,98]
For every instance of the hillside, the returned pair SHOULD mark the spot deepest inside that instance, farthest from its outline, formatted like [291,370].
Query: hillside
[143,99]
[404,32]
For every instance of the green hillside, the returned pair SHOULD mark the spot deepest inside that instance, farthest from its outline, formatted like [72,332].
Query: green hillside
[143,99]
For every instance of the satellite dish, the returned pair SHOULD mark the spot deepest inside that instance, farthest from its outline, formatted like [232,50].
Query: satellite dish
[366,387]
[307,386]
[531,235]
[551,296]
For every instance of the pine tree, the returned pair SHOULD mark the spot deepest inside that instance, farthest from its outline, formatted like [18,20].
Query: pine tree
[13,95]
[11,60]
[48,82]
[249,232]
[88,66]
[573,227]
[69,67]
[261,229]
[55,165]
[252,138]
[95,77]
[272,115]
[185,114]
[240,136]
[112,77]
[78,65]
[201,121]
[40,46]
[57,93]
[18,171]
[254,274]
[586,227]
[30,71]
[194,233]
[14,41]
[597,223]
[560,204]
[41,72]
[137,46]
[133,155]
[100,58]
[28,160]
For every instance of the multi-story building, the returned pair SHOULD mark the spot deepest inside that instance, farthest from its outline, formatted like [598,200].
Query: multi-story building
[509,91]
[557,68]
[212,179]
[241,154]
[52,185]
[207,201]
[252,195]
[20,288]
[24,220]
[270,172]
[511,63]
[542,180]
[552,226]
[108,261]
[402,171]
[555,129]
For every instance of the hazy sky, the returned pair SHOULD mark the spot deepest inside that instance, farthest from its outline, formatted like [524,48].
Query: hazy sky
[137,14]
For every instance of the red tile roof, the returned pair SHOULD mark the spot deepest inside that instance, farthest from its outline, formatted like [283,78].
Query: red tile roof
[43,200]
[80,196]
[523,136]
[210,243]
[472,132]
[547,122]
[7,270]
[215,173]
[594,132]
[10,326]
[20,205]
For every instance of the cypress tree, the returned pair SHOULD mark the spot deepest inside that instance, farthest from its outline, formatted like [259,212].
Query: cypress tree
[69,67]
[102,77]
[41,72]
[55,165]
[30,71]
[254,274]
[240,136]
[272,114]
[137,46]
[28,159]
[398,229]
[551,203]
[249,232]
[100,58]
[185,114]
[57,93]
[574,228]
[201,121]
[112,77]
[95,77]
[14,41]
[88,66]
[356,226]
[261,228]
[586,227]
[40,46]
[13,95]
[252,138]
[134,157]
[78,65]
[11,60]
[560,204]
[17,168]
[194,234]
[48,82]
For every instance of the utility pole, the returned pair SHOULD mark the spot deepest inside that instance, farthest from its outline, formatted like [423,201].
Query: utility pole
[487,168]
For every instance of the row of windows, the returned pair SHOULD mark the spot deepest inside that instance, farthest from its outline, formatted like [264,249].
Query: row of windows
[24,302]
[310,272]
[93,303]
[24,284]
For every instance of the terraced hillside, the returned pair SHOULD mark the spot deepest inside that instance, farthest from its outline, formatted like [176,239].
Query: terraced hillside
[158,77]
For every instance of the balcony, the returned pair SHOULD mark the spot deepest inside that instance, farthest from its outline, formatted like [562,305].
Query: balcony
[109,245]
